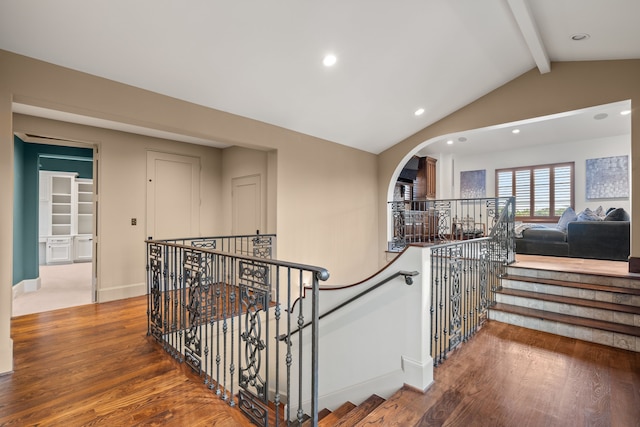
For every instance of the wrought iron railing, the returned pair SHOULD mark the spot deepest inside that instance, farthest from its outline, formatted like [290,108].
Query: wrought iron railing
[465,275]
[218,304]
[440,221]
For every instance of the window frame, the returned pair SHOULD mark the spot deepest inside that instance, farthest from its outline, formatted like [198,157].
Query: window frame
[532,206]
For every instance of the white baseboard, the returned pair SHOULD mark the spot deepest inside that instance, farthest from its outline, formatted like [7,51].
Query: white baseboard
[121,292]
[26,286]
[418,375]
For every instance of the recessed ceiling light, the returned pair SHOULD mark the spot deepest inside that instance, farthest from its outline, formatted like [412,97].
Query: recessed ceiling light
[329,60]
[515,131]
[419,112]
[450,142]
[625,112]
[600,116]
[580,36]
[462,139]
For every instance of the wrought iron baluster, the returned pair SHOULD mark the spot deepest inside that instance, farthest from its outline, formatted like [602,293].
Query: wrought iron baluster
[254,297]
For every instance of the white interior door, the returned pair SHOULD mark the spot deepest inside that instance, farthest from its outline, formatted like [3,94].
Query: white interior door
[246,205]
[173,196]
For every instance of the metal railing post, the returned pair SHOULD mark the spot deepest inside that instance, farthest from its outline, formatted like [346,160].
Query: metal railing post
[315,346]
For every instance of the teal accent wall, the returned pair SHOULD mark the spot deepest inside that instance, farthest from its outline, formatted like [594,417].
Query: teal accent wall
[84,169]
[29,159]
[30,205]
[18,208]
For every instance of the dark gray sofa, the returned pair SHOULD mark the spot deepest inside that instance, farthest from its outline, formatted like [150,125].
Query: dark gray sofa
[608,240]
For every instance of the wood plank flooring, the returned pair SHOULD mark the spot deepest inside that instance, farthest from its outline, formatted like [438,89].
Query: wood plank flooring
[94,365]
[511,376]
[576,265]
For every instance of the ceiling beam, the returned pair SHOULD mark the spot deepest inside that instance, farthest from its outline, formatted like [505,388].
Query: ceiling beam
[529,30]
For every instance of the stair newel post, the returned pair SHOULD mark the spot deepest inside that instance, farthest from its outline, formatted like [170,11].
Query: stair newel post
[315,344]
[314,350]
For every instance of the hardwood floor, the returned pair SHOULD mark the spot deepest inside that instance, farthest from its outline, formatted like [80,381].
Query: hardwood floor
[576,265]
[511,376]
[94,365]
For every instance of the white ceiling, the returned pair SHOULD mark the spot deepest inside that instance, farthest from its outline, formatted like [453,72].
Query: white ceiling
[263,59]
[596,122]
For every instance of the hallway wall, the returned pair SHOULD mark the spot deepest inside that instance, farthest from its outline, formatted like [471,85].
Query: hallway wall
[325,197]
[121,188]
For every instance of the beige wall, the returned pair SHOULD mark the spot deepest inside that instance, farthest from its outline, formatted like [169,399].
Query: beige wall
[569,86]
[326,201]
[240,162]
[6,227]
[122,187]
[327,209]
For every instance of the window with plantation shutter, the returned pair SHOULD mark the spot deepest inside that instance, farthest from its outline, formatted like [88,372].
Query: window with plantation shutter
[542,192]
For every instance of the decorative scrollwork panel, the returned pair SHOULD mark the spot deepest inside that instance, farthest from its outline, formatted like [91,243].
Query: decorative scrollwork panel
[262,247]
[196,303]
[155,291]
[254,294]
[455,298]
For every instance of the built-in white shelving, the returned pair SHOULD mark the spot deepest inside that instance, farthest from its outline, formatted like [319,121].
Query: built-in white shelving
[66,218]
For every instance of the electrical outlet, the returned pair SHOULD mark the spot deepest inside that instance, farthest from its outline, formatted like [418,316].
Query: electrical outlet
[134,221]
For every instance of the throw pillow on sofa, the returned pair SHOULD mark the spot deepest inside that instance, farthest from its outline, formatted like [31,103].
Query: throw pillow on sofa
[569,215]
[618,214]
[588,215]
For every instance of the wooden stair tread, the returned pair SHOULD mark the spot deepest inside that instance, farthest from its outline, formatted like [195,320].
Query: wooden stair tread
[323,413]
[404,408]
[571,300]
[360,411]
[572,320]
[336,415]
[589,286]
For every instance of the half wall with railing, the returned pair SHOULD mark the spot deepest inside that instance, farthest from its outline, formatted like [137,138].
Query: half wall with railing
[465,274]
[250,324]
[431,222]
[219,303]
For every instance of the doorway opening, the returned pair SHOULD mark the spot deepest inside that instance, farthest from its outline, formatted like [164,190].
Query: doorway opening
[56,195]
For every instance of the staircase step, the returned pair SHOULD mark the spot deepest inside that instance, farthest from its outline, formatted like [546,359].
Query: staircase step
[573,284]
[323,413]
[404,408]
[360,411]
[602,305]
[568,319]
[336,415]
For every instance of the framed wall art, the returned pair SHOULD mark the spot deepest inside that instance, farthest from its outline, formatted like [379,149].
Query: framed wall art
[607,178]
[473,184]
